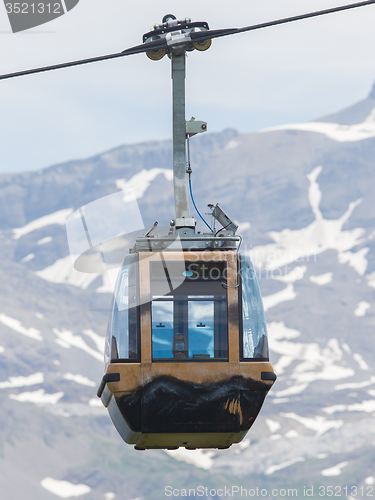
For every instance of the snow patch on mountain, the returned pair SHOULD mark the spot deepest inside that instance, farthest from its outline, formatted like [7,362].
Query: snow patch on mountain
[67,339]
[36,378]
[336,470]
[278,331]
[232,144]
[303,244]
[45,240]
[283,465]
[109,281]
[318,424]
[284,295]
[335,131]
[16,325]
[322,279]
[79,379]
[314,362]
[64,489]
[367,406]
[273,425]
[98,340]
[362,363]
[202,459]
[290,391]
[28,257]
[355,385]
[112,496]
[371,280]
[62,271]
[295,274]
[37,397]
[96,403]
[58,217]
[362,308]
[141,181]
[356,260]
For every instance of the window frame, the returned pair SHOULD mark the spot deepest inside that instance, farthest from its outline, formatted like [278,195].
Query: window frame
[172,298]
[131,259]
[240,312]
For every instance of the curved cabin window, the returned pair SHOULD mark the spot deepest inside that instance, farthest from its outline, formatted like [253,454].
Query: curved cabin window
[122,342]
[189,311]
[253,341]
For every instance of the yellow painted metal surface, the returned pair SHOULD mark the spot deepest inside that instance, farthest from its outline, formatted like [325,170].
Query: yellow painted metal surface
[133,375]
[190,440]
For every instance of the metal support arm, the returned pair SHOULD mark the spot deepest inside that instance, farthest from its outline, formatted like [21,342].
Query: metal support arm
[179,136]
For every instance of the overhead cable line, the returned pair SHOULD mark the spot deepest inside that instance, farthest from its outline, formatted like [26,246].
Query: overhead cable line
[194,36]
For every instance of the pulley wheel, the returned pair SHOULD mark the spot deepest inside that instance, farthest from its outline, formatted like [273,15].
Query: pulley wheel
[204,45]
[155,55]
[168,17]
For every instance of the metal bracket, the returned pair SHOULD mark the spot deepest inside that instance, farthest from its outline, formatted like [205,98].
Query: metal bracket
[185,222]
[194,126]
[177,38]
[228,224]
[153,231]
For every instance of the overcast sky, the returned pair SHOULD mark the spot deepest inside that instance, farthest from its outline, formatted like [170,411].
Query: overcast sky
[291,73]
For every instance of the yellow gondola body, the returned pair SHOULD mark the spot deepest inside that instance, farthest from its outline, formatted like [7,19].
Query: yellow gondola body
[189,394]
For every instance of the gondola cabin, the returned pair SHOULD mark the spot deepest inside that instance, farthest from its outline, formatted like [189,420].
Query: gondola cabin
[186,349]
[186,353]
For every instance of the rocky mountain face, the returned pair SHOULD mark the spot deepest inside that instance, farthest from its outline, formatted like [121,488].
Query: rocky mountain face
[304,197]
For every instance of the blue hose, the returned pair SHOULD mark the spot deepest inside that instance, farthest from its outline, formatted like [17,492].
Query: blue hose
[195,206]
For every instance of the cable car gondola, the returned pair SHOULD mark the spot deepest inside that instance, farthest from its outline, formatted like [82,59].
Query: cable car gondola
[186,352]
[189,365]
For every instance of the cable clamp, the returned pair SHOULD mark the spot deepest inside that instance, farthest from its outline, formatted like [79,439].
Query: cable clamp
[177,38]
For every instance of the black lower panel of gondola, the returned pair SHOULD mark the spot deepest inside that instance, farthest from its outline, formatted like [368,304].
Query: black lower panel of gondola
[174,406]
